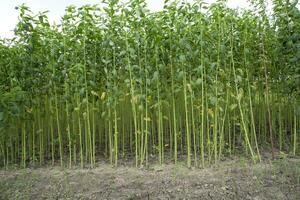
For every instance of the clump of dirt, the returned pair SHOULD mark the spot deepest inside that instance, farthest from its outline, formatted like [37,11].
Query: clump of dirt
[234,179]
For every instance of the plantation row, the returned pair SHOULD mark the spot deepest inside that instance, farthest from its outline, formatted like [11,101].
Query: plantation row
[114,82]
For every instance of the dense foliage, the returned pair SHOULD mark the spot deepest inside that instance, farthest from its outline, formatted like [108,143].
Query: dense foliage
[117,80]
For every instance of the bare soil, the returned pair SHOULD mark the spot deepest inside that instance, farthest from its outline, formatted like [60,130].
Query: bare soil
[230,179]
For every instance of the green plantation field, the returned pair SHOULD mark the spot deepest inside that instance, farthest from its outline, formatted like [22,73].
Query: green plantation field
[114,83]
[196,101]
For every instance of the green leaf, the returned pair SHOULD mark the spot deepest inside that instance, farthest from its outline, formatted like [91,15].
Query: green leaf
[198,81]
[155,75]
[232,107]
[240,95]
[1,116]
[182,58]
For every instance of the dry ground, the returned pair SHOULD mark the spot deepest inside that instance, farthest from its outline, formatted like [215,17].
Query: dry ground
[231,179]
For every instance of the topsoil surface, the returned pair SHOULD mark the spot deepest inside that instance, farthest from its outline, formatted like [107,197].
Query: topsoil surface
[227,180]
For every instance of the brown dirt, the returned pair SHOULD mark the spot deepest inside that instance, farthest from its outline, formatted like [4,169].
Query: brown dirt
[234,179]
